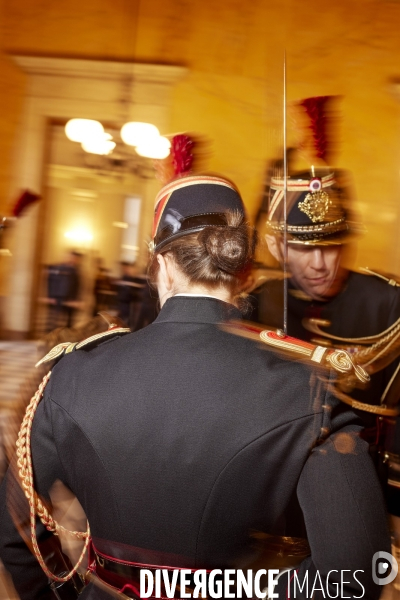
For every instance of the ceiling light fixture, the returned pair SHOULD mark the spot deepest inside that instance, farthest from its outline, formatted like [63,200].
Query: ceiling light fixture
[145,137]
[101,144]
[156,148]
[136,133]
[80,130]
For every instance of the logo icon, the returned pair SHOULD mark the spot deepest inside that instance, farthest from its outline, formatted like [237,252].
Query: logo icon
[384,568]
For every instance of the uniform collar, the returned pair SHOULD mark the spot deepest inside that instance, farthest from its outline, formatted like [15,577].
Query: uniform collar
[197,309]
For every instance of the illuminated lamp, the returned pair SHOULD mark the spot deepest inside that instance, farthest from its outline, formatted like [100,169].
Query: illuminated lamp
[156,148]
[79,235]
[80,130]
[135,133]
[99,145]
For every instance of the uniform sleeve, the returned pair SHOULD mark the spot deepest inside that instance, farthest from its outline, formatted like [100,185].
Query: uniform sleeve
[393,314]
[345,518]
[29,580]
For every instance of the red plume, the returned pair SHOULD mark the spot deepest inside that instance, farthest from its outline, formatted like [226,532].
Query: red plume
[182,153]
[188,151]
[316,110]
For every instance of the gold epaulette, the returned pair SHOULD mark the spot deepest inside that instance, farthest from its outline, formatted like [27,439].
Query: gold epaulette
[339,360]
[60,350]
[319,356]
[388,280]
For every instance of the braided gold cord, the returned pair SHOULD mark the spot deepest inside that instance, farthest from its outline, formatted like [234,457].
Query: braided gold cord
[36,506]
[342,362]
[387,341]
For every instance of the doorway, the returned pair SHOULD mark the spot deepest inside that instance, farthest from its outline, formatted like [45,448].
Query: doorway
[91,223]
[60,89]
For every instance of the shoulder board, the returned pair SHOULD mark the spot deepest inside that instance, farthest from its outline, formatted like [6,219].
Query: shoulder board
[388,280]
[60,350]
[339,360]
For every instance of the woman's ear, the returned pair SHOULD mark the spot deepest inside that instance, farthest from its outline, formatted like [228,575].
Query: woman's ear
[162,268]
[165,277]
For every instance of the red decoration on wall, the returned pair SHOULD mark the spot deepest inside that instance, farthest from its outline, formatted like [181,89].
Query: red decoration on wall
[25,199]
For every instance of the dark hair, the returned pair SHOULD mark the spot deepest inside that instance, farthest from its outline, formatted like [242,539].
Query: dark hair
[215,256]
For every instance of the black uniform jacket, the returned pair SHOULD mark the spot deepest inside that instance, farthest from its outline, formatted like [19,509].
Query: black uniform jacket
[183,439]
[367,305]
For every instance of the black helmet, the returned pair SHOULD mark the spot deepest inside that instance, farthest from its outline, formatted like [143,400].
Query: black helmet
[317,208]
[190,204]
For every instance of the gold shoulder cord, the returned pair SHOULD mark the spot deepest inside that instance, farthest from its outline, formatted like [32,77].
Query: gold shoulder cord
[36,507]
[388,280]
[378,350]
[336,358]
[24,456]
[340,360]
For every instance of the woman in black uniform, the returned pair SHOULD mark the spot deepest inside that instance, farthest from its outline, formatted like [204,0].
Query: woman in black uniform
[182,439]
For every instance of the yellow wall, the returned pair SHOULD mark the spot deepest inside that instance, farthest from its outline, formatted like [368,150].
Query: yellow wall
[233,93]
[12,86]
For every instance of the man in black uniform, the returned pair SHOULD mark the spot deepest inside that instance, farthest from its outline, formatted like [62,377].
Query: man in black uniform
[355,305]
[182,439]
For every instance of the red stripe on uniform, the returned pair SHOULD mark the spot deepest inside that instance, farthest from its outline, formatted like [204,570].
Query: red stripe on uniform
[159,211]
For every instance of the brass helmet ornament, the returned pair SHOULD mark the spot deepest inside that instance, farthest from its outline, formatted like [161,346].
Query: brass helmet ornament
[317,200]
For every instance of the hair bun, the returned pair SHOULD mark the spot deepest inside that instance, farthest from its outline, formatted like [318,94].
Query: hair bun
[227,247]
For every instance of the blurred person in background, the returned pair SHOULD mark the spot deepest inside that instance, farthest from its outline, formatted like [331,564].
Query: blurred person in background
[149,306]
[64,290]
[129,288]
[201,442]
[104,289]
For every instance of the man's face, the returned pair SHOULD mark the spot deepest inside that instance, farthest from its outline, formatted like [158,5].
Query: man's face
[316,269]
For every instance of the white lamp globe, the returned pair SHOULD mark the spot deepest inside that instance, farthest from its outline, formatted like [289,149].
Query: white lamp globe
[135,133]
[101,144]
[157,148]
[80,130]
[98,146]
